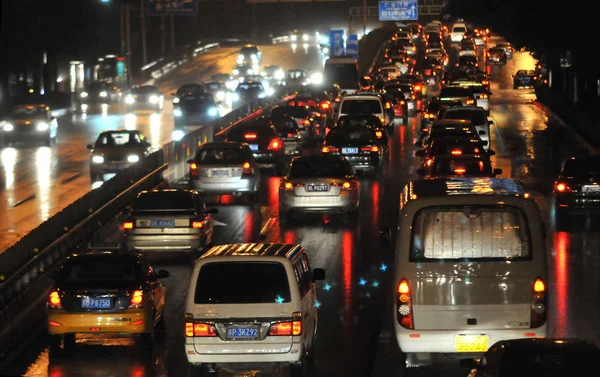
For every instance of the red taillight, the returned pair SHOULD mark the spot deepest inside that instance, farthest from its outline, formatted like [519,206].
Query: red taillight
[137,299]
[193,170]
[250,136]
[456,152]
[379,134]
[197,224]
[404,305]
[538,303]
[193,329]
[428,116]
[417,87]
[325,105]
[248,170]
[460,171]
[288,186]
[374,148]
[483,96]
[275,144]
[388,105]
[128,225]
[561,187]
[54,300]
[325,149]
[288,328]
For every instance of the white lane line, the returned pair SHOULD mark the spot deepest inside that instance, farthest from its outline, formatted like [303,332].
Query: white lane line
[218,223]
[268,225]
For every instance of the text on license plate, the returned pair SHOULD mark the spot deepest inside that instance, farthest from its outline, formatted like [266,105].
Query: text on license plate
[471,343]
[318,188]
[242,332]
[96,303]
[349,150]
[590,188]
[163,223]
[253,147]
[220,172]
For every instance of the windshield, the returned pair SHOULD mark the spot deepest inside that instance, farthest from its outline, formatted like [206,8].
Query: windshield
[344,75]
[476,117]
[220,156]
[164,201]
[293,111]
[29,112]
[459,29]
[372,121]
[467,59]
[447,166]
[455,92]
[145,90]
[361,106]
[352,135]
[317,169]
[119,139]
[296,74]
[250,86]
[100,272]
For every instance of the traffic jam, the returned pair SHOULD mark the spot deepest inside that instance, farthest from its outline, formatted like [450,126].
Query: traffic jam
[468,260]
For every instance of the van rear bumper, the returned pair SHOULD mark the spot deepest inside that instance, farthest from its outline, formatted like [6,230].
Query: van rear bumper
[444,341]
[292,356]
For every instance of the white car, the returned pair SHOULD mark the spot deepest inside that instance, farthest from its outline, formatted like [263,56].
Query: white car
[392,71]
[458,32]
[363,104]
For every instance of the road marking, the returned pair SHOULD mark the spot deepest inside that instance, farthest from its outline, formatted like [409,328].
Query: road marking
[71,179]
[268,225]
[218,223]
[24,201]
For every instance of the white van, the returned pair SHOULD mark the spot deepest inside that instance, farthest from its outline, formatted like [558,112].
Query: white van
[342,71]
[470,267]
[363,103]
[251,303]
[458,31]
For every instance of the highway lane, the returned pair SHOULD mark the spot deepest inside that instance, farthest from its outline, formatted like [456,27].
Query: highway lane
[36,182]
[355,337]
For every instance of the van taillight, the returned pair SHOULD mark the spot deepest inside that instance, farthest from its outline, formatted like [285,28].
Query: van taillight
[54,300]
[196,224]
[247,169]
[404,305]
[128,225]
[194,329]
[193,170]
[288,328]
[538,303]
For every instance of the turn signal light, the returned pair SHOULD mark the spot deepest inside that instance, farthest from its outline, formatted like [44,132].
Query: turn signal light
[404,305]
[325,105]
[193,166]
[199,330]
[539,286]
[346,186]
[288,186]
[54,300]
[428,116]
[137,298]
[388,105]
[483,96]
[128,225]
[374,148]
[247,169]
[379,134]
[562,187]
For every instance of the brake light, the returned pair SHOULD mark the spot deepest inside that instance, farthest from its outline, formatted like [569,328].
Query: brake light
[404,305]
[470,102]
[428,162]
[338,99]
[485,82]
[460,171]
[54,300]
[374,148]
[456,152]
[247,169]
[193,170]
[388,105]
[137,299]
[325,105]
[250,136]
[193,329]
[325,149]
[197,224]
[128,225]
[288,186]
[275,144]
[428,116]
[402,102]
[379,134]
[288,328]
[562,187]
[193,166]
[417,87]
[538,304]
[483,96]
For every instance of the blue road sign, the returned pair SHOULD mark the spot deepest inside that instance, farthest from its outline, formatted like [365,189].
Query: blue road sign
[398,10]
[172,7]
[352,46]
[337,42]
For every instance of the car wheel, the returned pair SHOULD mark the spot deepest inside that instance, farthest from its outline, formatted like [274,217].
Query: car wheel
[54,343]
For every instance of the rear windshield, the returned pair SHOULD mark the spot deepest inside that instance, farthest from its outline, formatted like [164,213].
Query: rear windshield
[582,168]
[285,125]
[354,135]
[446,166]
[476,117]
[470,232]
[240,133]
[293,111]
[98,86]
[250,86]
[242,283]
[451,132]
[547,362]
[360,121]
[164,201]
[100,272]
[455,92]
[191,88]
[459,29]
[454,148]
[467,59]
[25,112]
[119,139]
[220,156]
[361,107]
[316,169]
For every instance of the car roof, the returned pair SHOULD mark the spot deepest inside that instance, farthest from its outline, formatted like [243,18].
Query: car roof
[322,157]
[120,130]
[460,108]
[223,145]
[362,97]
[254,249]
[159,191]
[442,187]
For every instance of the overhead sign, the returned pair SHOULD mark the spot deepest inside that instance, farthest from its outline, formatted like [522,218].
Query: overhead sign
[352,46]
[172,7]
[398,10]
[337,42]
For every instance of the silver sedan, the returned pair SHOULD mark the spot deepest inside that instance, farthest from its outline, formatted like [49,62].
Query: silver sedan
[324,184]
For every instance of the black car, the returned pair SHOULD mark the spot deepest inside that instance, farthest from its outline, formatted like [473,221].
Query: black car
[101,92]
[27,123]
[460,166]
[264,141]
[186,89]
[524,79]
[195,108]
[144,97]
[454,146]
[496,56]
[303,118]
[432,111]
[409,95]
[366,120]
[115,151]
[577,187]
[249,91]
[358,144]
[290,134]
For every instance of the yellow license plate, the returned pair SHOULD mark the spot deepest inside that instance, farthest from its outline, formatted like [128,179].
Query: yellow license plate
[471,343]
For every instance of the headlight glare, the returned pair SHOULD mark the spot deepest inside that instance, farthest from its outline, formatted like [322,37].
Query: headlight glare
[133,158]
[103,94]
[42,126]
[153,99]
[129,99]
[177,112]
[84,94]
[176,100]
[98,159]
[8,127]
[220,95]
[213,112]
[177,135]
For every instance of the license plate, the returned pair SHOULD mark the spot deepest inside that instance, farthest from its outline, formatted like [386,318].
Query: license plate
[525,79]
[96,303]
[590,188]
[318,188]
[349,150]
[163,223]
[242,332]
[471,343]
[253,147]
[220,172]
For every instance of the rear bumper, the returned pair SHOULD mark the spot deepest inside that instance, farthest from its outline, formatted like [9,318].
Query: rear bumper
[575,203]
[81,323]
[161,242]
[243,185]
[215,355]
[338,204]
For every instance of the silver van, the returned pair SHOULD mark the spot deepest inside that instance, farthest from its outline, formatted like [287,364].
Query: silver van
[470,267]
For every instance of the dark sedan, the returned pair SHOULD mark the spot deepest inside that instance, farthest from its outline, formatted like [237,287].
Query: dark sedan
[115,151]
[28,123]
[144,97]
[524,79]
[194,108]
[496,56]
[457,166]
[366,120]
[358,144]
[577,187]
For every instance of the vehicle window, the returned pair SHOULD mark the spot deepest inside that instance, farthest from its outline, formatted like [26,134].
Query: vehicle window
[357,135]
[581,168]
[438,148]
[317,169]
[344,75]
[189,89]
[164,201]
[467,59]
[449,166]
[470,232]
[146,89]
[301,279]
[296,74]
[372,121]
[454,92]
[361,107]
[238,133]
[459,29]
[293,111]
[220,156]
[249,86]
[119,139]
[476,117]
[197,99]
[242,283]
[96,272]
[451,132]
[24,112]
[285,125]
[550,363]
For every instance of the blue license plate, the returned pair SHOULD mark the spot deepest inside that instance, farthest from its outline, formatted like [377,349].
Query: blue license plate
[318,188]
[163,223]
[349,150]
[253,147]
[242,332]
[220,172]
[96,303]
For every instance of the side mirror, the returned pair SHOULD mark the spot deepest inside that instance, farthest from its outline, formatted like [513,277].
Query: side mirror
[497,172]
[90,146]
[318,274]
[481,132]
[190,161]
[420,153]
[491,152]
[386,236]
[421,171]
[163,274]
[213,210]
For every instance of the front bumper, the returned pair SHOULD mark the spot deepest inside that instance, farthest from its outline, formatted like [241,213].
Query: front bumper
[25,136]
[109,168]
[162,242]
[244,185]
[127,322]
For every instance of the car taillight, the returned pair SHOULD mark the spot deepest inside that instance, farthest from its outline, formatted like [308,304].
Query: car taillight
[196,224]
[193,170]
[404,305]
[325,105]
[460,171]
[128,225]
[561,187]
[248,170]
[485,82]
[193,329]
[275,144]
[379,134]
[374,148]
[288,186]
[456,152]
[54,300]
[483,96]
[388,105]
[417,87]
[402,102]
[137,299]
[288,328]
[428,116]
[413,96]
[538,304]
[470,102]
[337,99]
[345,186]
[325,149]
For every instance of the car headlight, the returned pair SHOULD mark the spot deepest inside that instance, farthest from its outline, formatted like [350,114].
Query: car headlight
[177,135]
[250,71]
[103,94]
[220,95]
[153,99]
[213,112]
[240,59]
[270,91]
[8,127]
[133,158]
[262,95]
[42,126]
[294,38]
[129,99]
[305,37]
[235,97]
[98,159]
[316,78]
[83,94]
[177,112]
[279,75]
[324,40]
[236,72]
[253,57]
[176,100]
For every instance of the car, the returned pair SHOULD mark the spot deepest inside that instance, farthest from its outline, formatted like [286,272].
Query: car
[314,107]
[266,301]
[409,95]
[263,140]
[324,103]
[524,78]
[480,38]
[389,72]
[273,74]
[458,32]
[363,104]
[397,100]
[453,146]
[195,108]
[463,94]
[249,55]
[289,132]
[187,89]
[249,91]
[366,120]
[358,144]
[577,187]
[241,71]
[539,356]
[116,150]
[303,118]
[169,220]
[105,292]
[449,128]
[467,47]
[144,97]
[467,61]
[478,117]
[507,48]
[218,89]
[322,184]
[225,168]
[408,45]
[458,166]
[387,102]
[29,122]
[342,71]
[496,56]
[432,111]
[103,92]
[296,78]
